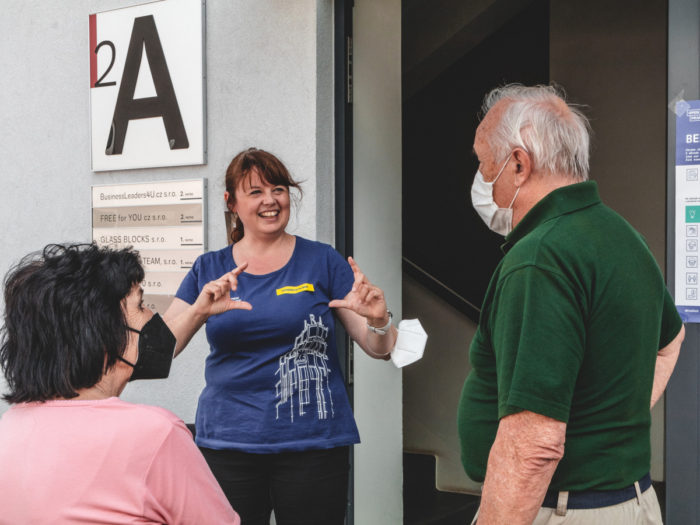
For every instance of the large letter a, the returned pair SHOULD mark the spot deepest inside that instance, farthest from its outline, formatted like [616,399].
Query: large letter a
[144,35]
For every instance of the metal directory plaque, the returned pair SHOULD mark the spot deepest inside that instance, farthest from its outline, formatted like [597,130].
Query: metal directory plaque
[163,220]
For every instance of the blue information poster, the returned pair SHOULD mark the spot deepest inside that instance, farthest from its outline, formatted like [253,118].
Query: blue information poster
[687,209]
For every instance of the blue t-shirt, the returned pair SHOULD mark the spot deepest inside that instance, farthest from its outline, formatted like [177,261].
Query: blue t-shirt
[273,378]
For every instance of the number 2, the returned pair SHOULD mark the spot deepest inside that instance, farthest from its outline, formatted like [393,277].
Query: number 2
[99,82]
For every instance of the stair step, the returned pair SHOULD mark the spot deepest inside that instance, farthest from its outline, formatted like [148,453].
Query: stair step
[424,504]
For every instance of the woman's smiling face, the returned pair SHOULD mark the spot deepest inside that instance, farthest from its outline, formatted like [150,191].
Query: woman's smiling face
[263,208]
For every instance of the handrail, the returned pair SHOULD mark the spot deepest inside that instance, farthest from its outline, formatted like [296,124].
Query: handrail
[441,289]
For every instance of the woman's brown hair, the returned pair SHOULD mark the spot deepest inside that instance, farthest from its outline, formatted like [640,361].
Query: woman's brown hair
[270,169]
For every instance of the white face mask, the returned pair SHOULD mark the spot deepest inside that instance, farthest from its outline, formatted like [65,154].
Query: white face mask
[499,220]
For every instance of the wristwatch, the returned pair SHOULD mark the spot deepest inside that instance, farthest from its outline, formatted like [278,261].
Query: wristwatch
[384,329]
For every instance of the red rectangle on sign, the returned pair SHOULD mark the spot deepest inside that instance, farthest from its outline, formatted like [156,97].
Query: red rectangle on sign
[93,54]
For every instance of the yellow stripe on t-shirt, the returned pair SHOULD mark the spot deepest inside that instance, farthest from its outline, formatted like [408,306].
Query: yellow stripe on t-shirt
[306,287]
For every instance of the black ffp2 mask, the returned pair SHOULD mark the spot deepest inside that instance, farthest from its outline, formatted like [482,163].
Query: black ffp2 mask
[156,350]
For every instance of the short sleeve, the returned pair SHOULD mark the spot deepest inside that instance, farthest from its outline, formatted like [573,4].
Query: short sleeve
[340,275]
[189,287]
[670,322]
[538,336]
[181,488]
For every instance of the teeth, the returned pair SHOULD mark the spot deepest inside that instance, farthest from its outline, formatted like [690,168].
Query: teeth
[268,213]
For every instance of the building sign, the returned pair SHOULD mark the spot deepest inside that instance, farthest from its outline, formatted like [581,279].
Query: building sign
[164,221]
[687,209]
[147,86]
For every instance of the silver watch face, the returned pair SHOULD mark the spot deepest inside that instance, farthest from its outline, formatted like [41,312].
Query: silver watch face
[384,329]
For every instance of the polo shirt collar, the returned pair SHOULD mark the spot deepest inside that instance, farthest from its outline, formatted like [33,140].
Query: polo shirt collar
[557,203]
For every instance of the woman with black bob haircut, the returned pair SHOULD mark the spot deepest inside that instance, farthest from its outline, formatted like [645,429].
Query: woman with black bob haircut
[75,332]
[64,322]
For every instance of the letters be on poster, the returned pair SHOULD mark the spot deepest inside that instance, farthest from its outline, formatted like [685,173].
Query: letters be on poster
[147,86]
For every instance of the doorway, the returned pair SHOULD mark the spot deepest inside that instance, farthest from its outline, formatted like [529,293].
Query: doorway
[448,253]
[602,55]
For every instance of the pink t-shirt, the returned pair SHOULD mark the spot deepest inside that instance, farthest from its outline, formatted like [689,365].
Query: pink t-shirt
[104,461]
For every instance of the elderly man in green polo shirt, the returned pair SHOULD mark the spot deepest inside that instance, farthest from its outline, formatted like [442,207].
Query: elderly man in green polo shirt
[578,334]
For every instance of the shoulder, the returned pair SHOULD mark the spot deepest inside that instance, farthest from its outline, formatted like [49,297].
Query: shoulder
[147,419]
[212,264]
[316,251]
[213,257]
[332,271]
[536,249]
[307,245]
[578,248]
[564,240]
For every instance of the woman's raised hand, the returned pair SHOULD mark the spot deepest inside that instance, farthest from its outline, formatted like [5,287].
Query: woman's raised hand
[215,297]
[364,299]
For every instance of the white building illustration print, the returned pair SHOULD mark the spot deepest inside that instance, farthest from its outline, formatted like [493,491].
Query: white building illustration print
[303,372]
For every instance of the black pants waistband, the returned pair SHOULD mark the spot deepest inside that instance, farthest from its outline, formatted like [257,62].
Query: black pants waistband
[593,499]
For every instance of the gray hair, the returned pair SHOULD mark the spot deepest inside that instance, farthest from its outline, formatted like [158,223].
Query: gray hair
[538,119]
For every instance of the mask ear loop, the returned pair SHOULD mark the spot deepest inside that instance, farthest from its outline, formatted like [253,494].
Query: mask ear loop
[518,190]
[499,174]
[514,197]
[502,168]
[132,365]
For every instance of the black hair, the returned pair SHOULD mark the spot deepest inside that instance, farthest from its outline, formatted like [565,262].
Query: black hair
[64,322]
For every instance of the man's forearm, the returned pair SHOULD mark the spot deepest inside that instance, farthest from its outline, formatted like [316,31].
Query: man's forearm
[521,464]
[665,363]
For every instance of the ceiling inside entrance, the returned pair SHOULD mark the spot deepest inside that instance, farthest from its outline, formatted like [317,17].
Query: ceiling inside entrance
[435,33]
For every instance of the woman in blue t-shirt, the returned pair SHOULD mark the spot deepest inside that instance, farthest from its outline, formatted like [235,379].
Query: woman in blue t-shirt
[274,421]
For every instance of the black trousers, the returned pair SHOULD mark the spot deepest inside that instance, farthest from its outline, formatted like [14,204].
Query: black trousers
[304,488]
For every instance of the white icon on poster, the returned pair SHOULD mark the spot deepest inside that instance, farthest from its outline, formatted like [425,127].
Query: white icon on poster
[691,174]
[691,245]
[691,230]
[691,262]
[691,294]
[691,278]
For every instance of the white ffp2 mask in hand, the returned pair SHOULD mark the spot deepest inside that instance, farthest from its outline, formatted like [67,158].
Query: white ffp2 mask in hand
[410,343]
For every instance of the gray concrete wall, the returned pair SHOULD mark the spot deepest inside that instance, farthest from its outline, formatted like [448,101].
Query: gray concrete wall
[269,84]
[611,56]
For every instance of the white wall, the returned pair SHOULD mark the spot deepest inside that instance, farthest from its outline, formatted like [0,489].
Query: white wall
[377,247]
[269,84]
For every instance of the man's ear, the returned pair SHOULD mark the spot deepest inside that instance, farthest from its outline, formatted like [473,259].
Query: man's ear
[523,166]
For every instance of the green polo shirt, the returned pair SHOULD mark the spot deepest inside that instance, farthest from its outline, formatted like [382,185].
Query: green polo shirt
[572,321]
